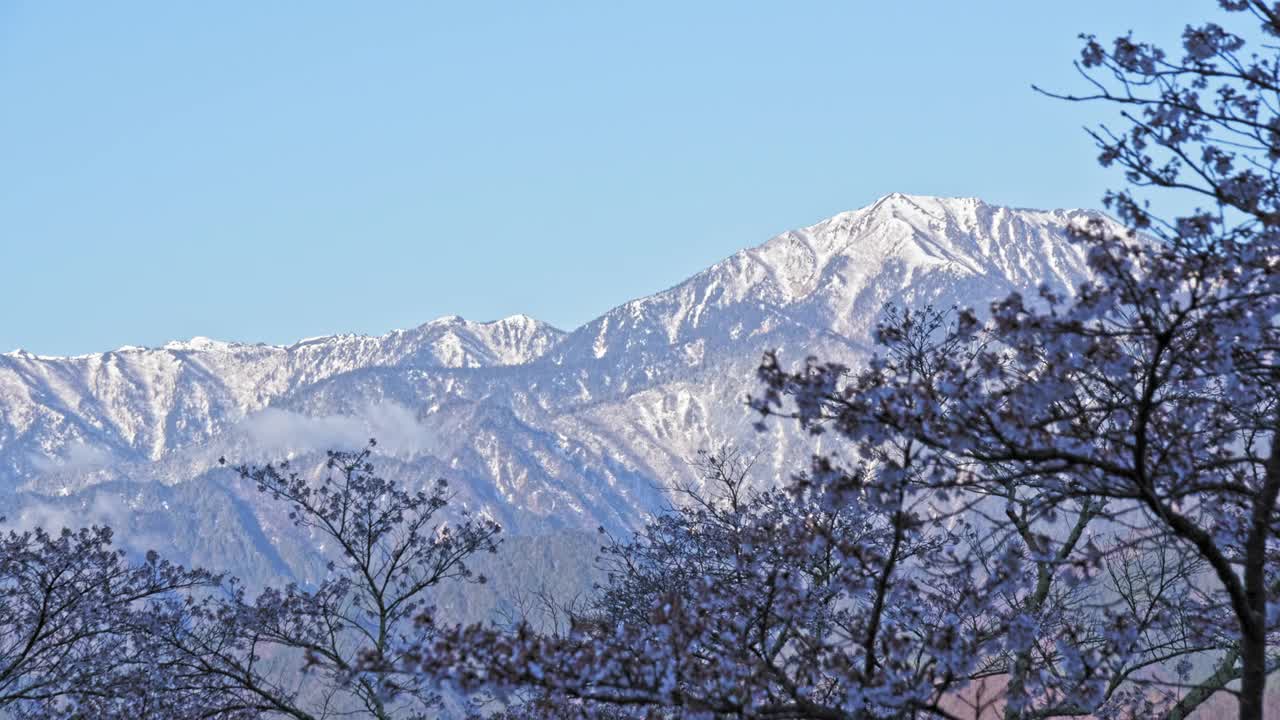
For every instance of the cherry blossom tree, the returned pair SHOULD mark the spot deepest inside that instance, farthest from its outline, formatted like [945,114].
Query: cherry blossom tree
[830,598]
[1150,395]
[698,601]
[69,608]
[300,652]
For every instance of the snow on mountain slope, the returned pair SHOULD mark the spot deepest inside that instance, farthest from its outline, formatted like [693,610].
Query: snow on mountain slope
[139,403]
[831,279]
[534,426]
[447,342]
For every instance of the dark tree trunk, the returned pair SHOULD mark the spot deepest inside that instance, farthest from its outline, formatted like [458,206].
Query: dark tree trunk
[1253,640]
[1253,680]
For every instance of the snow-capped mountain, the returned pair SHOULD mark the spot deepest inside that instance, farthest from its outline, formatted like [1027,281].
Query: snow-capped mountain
[140,403]
[536,427]
[832,279]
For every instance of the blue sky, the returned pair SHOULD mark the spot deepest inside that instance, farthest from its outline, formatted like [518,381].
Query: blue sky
[269,171]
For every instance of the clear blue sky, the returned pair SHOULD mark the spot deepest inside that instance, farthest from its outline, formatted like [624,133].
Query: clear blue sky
[269,171]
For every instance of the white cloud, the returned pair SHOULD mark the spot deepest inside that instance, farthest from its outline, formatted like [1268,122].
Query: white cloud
[103,509]
[77,455]
[397,429]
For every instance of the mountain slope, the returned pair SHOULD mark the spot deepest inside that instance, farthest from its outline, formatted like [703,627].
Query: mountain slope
[140,403]
[536,427]
[831,279]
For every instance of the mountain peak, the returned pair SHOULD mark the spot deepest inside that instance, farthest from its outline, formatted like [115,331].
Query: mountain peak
[519,319]
[941,206]
[198,343]
[839,273]
[446,320]
[924,200]
[966,234]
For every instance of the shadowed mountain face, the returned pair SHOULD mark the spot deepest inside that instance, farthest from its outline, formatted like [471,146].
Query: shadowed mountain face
[540,429]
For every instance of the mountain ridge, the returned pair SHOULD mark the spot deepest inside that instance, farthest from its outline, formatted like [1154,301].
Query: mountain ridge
[893,200]
[201,343]
[536,426]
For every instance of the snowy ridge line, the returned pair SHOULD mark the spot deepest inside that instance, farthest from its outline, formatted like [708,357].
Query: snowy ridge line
[533,424]
[201,343]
